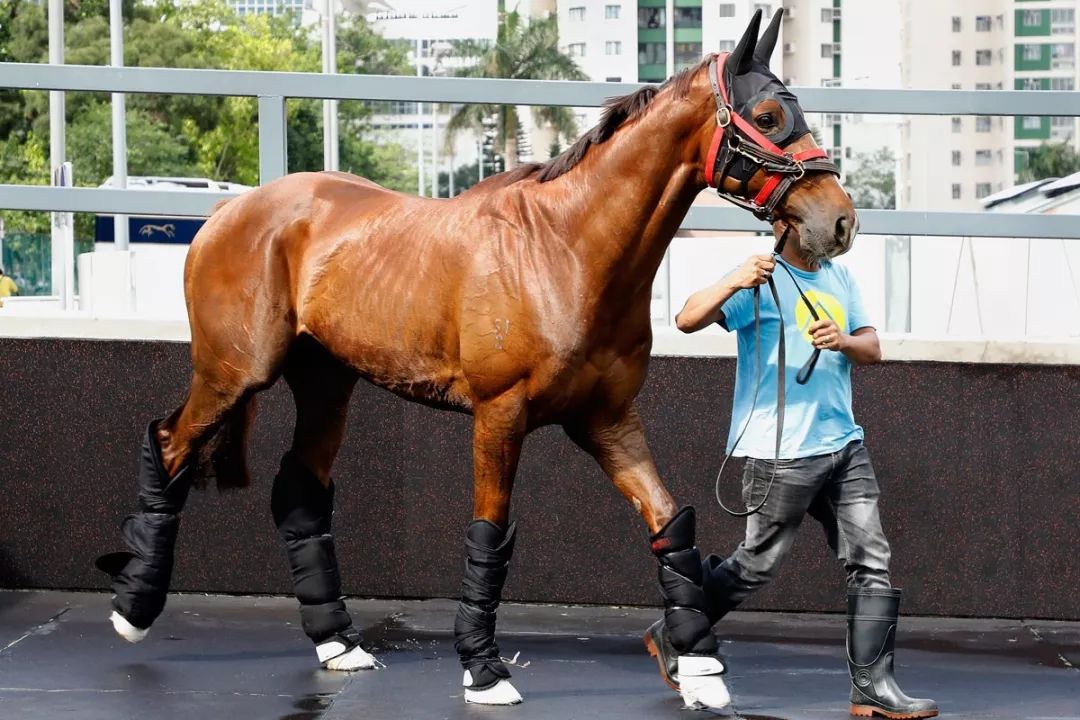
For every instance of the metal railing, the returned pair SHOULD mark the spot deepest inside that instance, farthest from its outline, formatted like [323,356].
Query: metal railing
[273,89]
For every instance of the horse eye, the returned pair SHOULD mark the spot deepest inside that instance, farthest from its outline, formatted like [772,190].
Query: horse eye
[766,121]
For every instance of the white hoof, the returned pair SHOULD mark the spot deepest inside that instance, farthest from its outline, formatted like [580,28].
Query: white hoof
[126,630]
[333,655]
[501,693]
[701,684]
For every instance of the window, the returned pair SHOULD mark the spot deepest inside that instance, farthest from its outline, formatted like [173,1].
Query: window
[1032,122]
[956,158]
[1065,84]
[983,57]
[955,57]
[687,17]
[828,50]
[614,78]
[1061,128]
[576,49]
[651,18]
[1032,52]
[957,125]
[984,157]
[1030,84]
[727,9]
[830,82]
[1063,56]
[956,86]
[577,13]
[1032,18]
[956,191]
[983,23]
[726,46]
[984,86]
[955,24]
[765,8]
[613,47]
[687,54]
[832,119]
[1062,21]
[982,190]
[611,12]
[982,124]
[827,14]
[652,53]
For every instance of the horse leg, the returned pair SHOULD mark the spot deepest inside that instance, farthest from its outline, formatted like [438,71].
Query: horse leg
[498,431]
[619,446]
[167,466]
[302,503]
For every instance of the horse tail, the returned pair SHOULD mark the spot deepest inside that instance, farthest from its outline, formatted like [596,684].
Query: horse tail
[223,457]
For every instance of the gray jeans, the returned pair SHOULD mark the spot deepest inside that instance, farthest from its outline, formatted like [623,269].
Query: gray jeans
[839,490]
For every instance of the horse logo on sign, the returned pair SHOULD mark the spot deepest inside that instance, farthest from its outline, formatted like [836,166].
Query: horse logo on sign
[168,230]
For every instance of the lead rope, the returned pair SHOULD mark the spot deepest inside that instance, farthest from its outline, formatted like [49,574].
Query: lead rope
[802,378]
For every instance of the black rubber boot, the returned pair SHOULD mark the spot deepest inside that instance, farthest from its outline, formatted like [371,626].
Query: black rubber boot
[718,584]
[487,558]
[141,574]
[871,640]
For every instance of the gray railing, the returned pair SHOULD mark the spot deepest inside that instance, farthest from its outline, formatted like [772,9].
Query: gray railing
[274,88]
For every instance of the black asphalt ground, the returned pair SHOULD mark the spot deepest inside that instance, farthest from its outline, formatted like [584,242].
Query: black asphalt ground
[235,658]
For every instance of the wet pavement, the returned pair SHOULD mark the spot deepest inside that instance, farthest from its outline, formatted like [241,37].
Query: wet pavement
[214,657]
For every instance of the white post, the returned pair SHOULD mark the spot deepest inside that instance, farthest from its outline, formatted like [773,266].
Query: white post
[434,150]
[330,114]
[119,122]
[2,244]
[63,230]
[57,140]
[480,159]
[450,171]
[669,37]
[419,128]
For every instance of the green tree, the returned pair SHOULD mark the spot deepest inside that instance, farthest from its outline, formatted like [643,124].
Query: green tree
[872,179]
[522,50]
[1049,160]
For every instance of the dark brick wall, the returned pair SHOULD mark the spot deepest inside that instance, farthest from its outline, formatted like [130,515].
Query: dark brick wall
[978,464]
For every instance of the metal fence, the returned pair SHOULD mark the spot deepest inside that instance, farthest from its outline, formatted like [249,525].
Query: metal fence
[273,89]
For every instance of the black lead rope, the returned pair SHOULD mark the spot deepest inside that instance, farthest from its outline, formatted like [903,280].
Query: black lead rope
[802,378]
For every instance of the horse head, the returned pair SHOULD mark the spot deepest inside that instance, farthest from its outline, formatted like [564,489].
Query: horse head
[760,154]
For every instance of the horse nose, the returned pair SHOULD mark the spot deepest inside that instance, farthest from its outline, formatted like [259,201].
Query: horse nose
[845,228]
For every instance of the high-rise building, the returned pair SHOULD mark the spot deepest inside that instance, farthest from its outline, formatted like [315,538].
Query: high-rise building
[272,7]
[956,162]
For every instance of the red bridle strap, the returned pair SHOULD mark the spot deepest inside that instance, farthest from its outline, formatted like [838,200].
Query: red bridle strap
[726,116]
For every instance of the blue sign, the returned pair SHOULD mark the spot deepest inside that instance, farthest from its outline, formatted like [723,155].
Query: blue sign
[174,231]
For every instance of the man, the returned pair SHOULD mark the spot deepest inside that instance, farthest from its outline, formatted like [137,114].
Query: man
[7,285]
[824,469]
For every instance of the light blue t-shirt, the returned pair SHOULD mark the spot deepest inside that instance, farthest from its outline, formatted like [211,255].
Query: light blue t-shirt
[818,418]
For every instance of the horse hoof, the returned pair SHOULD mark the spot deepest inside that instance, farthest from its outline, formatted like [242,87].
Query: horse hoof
[355,659]
[126,630]
[501,693]
[701,684]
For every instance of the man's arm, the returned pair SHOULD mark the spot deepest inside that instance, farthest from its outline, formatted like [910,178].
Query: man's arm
[861,347]
[703,307]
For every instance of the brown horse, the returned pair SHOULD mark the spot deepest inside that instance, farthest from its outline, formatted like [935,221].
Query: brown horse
[525,301]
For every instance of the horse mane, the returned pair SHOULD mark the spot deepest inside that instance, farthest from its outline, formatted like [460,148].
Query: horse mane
[617,112]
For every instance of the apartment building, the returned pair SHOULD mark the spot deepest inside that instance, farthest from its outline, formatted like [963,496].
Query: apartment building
[957,162]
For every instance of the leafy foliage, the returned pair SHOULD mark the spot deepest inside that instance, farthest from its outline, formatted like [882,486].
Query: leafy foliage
[872,179]
[1050,160]
[523,50]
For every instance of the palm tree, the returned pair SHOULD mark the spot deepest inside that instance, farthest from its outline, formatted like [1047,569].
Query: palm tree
[522,50]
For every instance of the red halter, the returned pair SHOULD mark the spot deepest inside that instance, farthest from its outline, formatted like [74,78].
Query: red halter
[784,169]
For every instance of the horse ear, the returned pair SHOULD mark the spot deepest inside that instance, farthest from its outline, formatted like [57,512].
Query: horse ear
[743,54]
[767,42]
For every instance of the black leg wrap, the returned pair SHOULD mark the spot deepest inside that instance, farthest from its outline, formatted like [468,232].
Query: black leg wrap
[142,573]
[487,558]
[723,589]
[302,510]
[685,604]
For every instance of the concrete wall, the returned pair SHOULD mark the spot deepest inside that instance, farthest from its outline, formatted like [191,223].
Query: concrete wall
[977,464]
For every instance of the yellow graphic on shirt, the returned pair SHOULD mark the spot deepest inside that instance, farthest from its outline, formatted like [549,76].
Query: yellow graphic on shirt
[827,306]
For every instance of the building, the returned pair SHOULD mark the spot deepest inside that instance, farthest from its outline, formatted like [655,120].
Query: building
[273,7]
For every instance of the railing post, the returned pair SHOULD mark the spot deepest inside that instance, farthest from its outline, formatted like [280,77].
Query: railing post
[273,156]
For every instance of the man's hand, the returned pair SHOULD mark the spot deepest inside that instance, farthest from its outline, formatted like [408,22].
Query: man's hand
[826,335]
[755,271]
